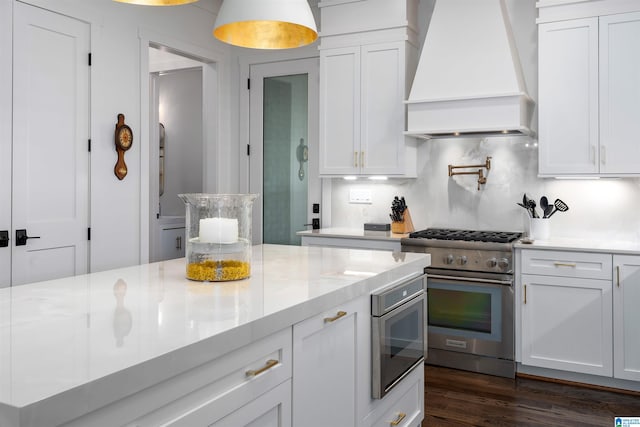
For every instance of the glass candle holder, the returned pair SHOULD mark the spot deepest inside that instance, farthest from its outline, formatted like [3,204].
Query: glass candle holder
[218,235]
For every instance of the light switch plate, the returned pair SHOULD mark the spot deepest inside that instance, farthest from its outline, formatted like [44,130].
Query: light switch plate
[360,195]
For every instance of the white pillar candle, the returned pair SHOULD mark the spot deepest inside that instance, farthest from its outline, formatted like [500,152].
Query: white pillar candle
[218,230]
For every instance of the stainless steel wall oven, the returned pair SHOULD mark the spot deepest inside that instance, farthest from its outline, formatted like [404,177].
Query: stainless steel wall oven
[470,298]
[398,333]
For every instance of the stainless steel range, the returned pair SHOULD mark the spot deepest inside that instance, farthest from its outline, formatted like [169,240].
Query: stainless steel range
[470,298]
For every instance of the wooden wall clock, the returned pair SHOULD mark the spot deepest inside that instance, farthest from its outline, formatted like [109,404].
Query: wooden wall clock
[123,140]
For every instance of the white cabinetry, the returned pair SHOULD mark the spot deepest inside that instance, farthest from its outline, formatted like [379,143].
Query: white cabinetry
[361,110]
[326,357]
[566,318]
[172,242]
[388,244]
[626,317]
[272,409]
[589,81]
[365,77]
[241,386]
[404,408]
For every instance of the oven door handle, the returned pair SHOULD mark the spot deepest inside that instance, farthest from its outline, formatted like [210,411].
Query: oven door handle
[470,279]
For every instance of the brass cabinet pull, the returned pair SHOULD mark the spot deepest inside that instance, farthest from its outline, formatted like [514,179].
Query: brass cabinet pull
[362,159]
[565,264]
[270,364]
[525,294]
[398,420]
[618,275]
[355,159]
[336,317]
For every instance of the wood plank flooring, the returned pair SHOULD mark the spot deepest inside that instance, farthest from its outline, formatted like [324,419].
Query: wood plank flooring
[458,398]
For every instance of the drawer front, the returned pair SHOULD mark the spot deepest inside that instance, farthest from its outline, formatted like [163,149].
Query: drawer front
[404,408]
[567,264]
[226,384]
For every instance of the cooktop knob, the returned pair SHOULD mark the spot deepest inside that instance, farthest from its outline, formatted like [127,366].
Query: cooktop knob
[462,260]
[492,262]
[503,263]
[448,259]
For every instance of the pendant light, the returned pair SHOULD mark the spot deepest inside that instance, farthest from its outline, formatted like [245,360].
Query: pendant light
[266,24]
[157,2]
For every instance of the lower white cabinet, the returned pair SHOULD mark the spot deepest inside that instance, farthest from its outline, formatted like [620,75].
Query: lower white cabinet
[326,356]
[626,317]
[352,243]
[172,242]
[272,409]
[567,324]
[248,385]
[404,406]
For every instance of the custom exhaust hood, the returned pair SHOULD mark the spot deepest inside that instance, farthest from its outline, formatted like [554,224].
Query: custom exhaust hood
[469,80]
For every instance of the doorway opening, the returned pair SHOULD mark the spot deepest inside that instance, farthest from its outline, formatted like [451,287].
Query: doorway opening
[177,146]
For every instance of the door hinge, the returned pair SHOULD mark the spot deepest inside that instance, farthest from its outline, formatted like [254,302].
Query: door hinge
[89,145]
[248,84]
[248,150]
[89,59]
[89,233]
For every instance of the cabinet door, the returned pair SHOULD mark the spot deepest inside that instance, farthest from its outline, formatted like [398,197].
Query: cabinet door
[325,355]
[619,94]
[272,409]
[568,97]
[626,317]
[567,324]
[340,111]
[382,117]
[172,243]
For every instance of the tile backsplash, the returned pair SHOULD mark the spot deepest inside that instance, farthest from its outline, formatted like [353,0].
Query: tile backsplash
[602,209]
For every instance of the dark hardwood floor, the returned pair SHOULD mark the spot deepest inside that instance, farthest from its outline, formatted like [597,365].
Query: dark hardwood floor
[458,398]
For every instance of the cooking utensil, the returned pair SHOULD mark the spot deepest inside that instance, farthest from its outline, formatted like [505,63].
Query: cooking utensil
[559,205]
[530,206]
[546,207]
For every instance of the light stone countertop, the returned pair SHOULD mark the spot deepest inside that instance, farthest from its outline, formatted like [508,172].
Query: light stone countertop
[584,245]
[352,233]
[83,342]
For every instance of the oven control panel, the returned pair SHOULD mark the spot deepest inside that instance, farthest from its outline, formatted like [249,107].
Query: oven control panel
[471,260]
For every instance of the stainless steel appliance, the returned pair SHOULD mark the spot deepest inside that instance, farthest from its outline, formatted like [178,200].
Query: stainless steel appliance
[470,298]
[398,333]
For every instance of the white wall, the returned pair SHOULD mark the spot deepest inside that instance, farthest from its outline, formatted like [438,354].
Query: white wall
[117,206]
[605,208]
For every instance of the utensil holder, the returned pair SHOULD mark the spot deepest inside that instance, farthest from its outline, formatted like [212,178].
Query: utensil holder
[539,228]
[404,226]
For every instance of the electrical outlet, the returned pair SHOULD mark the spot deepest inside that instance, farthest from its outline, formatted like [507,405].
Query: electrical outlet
[360,195]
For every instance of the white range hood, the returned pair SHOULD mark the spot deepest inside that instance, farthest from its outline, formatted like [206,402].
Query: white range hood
[469,80]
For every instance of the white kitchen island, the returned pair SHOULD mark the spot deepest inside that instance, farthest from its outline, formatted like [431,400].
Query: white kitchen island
[145,346]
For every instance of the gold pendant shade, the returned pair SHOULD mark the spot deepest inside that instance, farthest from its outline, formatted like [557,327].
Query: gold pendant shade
[157,2]
[266,24]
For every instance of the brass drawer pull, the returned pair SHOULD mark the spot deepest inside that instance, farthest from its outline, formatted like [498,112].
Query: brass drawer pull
[355,159]
[397,421]
[336,317]
[270,364]
[565,264]
[362,159]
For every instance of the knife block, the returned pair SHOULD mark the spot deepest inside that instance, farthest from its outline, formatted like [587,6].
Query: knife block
[404,226]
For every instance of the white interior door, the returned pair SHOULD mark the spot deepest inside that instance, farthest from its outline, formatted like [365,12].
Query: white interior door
[283,161]
[50,145]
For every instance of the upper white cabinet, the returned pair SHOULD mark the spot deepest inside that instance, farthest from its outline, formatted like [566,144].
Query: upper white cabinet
[589,81]
[364,79]
[626,317]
